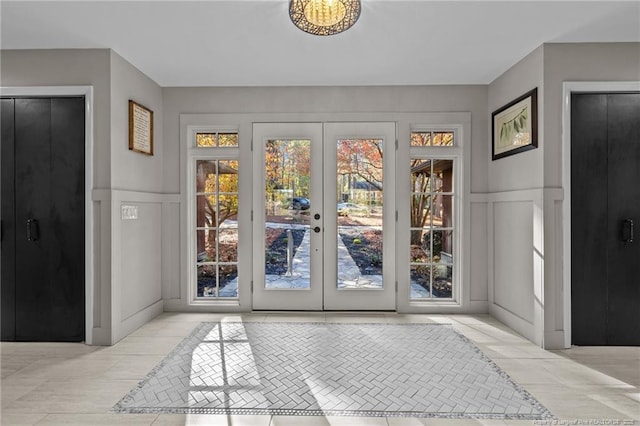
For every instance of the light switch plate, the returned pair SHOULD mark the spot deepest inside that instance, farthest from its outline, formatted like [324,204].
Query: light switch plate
[129,212]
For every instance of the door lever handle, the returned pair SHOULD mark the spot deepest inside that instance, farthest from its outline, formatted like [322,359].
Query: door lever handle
[32,230]
[627,230]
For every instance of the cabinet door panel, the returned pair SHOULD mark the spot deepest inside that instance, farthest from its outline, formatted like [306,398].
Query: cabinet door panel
[33,200]
[588,214]
[8,248]
[623,280]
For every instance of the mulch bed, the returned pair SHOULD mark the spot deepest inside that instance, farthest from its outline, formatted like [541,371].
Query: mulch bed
[227,252]
[421,276]
[441,286]
[365,247]
[276,254]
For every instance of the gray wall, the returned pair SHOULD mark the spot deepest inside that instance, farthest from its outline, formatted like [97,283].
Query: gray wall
[527,74]
[130,170]
[136,180]
[513,183]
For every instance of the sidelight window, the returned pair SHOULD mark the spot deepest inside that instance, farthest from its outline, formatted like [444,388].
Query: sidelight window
[432,219]
[215,210]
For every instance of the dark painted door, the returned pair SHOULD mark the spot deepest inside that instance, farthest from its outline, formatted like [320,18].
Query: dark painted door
[43,219]
[605,219]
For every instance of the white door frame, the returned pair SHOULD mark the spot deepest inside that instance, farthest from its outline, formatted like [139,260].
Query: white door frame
[87,92]
[568,88]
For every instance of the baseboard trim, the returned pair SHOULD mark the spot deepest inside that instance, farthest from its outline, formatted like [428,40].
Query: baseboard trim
[137,320]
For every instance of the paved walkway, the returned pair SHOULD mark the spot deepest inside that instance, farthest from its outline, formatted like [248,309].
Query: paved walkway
[349,276]
[348,272]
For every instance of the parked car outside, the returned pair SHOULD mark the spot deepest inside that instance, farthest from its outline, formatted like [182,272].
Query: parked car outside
[299,203]
[346,209]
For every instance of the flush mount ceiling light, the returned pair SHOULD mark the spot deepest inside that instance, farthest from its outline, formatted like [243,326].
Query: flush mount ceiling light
[324,17]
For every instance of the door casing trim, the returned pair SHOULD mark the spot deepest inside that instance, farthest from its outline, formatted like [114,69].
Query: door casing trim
[87,92]
[568,88]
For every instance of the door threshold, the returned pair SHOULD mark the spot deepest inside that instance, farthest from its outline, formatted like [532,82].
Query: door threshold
[352,312]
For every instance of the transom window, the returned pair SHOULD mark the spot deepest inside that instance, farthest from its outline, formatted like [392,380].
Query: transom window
[431,138]
[216,139]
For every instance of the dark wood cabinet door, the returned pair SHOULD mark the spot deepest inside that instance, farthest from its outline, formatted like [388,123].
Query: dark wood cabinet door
[623,265]
[588,218]
[48,219]
[605,200]
[67,268]
[32,200]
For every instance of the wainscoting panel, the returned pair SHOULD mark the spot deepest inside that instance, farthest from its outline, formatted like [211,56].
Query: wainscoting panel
[516,260]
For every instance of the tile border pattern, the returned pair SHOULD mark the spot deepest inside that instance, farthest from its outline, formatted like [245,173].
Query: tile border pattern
[127,403]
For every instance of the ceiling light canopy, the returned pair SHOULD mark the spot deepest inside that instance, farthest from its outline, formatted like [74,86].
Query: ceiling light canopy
[324,17]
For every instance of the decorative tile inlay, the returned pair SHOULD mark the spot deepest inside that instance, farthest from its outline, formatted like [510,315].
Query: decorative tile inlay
[413,370]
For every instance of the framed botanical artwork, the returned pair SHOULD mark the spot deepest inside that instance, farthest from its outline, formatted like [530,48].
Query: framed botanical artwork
[140,128]
[515,126]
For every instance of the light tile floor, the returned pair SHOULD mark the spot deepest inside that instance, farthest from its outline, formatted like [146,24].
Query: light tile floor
[375,370]
[56,383]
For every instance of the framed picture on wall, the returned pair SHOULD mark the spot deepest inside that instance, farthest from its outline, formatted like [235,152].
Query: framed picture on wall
[140,128]
[515,126]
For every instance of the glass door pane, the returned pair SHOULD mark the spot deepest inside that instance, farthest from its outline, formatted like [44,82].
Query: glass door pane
[359,181]
[287,170]
[359,161]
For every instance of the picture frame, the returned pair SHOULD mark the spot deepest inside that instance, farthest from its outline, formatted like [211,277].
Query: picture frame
[515,126]
[140,128]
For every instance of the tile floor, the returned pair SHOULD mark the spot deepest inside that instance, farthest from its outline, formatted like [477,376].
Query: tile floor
[364,370]
[56,383]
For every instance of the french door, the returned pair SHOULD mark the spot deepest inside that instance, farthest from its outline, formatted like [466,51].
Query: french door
[324,216]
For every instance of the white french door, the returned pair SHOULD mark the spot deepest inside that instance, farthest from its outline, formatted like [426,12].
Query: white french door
[324,216]
[359,186]
[288,263]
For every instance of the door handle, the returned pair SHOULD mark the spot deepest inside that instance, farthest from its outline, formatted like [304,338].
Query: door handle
[627,230]
[316,229]
[33,231]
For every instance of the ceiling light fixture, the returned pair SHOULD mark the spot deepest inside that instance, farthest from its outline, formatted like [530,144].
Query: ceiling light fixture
[324,17]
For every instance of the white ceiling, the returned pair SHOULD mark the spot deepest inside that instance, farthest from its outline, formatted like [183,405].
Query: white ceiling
[253,43]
